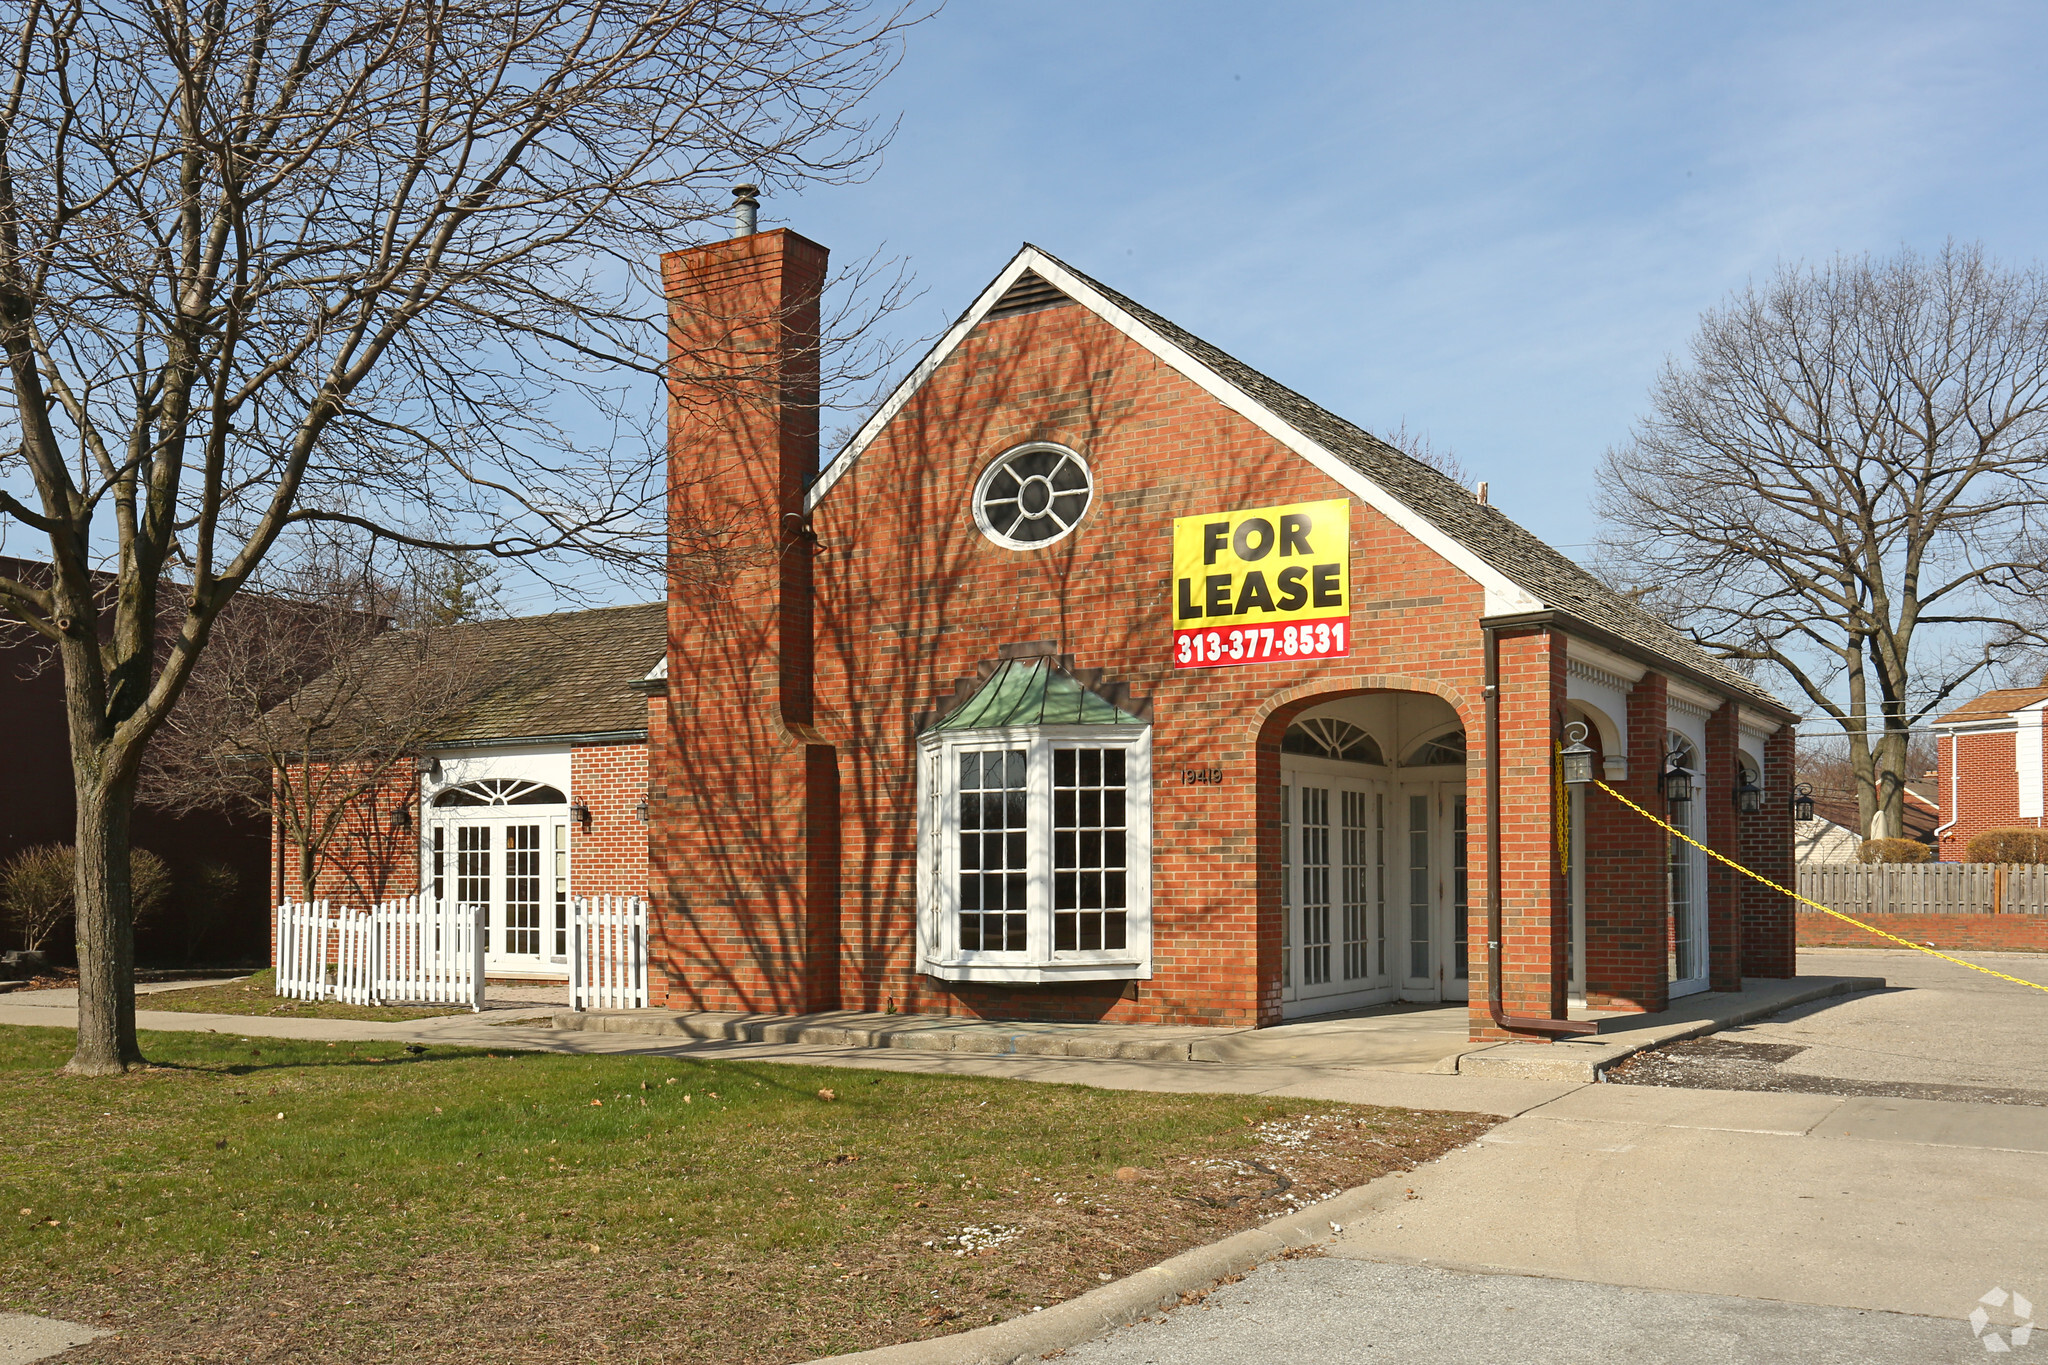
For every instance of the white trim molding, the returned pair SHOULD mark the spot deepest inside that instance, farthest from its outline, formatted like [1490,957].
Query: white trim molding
[2027,759]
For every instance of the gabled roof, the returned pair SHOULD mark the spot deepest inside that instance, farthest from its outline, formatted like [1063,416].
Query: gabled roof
[1518,572]
[1996,705]
[536,677]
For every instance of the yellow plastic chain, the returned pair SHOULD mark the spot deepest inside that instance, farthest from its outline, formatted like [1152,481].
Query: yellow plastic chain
[1916,947]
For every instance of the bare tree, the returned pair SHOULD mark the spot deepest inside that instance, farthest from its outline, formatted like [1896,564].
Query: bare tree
[1419,445]
[383,265]
[1843,483]
[310,706]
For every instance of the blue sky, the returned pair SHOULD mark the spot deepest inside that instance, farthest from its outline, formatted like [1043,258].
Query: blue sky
[1490,221]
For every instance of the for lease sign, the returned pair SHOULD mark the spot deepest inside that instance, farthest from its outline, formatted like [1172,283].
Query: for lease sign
[1266,583]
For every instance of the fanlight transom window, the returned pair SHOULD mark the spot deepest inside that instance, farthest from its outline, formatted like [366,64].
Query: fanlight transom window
[1445,748]
[1328,737]
[502,791]
[1033,495]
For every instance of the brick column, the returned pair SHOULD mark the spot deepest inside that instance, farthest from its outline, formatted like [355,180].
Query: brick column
[743,867]
[1627,895]
[1724,896]
[1535,964]
[1769,943]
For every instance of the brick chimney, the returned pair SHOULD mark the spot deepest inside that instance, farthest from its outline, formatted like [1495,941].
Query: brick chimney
[743,820]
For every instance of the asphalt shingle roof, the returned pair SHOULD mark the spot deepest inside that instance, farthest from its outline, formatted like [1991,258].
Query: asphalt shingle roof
[570,673]
[2000,702]
[1514,552]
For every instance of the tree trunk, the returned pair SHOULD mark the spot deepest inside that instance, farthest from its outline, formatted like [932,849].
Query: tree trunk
[106,932]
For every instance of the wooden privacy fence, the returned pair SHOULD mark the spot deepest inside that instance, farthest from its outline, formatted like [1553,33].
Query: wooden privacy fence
[1928,888]
[608,956]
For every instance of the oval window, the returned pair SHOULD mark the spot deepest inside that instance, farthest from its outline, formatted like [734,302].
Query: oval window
[1032,496]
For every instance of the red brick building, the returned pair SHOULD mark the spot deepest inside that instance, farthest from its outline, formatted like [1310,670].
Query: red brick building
[36,807]
[1102,677]
[537,792]
[1990,766]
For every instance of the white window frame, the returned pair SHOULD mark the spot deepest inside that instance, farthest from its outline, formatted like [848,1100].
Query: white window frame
[938,861]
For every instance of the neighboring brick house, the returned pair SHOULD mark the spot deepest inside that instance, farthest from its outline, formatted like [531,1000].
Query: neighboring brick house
[973,722]
[36,807]
[1990,765]
[537,792]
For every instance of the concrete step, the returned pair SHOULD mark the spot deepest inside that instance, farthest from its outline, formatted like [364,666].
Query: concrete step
[911,1032]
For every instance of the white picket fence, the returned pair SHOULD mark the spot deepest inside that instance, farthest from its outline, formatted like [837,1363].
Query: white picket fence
[416,950]
[1928,888]
[608,954]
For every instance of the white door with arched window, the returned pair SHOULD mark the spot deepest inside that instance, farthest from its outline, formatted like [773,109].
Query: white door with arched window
[502,845]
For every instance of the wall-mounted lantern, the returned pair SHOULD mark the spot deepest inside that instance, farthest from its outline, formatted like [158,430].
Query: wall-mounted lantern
[579,811]
[641,810]
[401,818]
[1676,781]
[1802,802]
[1575,758]
[1749,797]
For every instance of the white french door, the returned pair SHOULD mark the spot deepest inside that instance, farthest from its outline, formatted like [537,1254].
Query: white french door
[1333,889]
[514,866]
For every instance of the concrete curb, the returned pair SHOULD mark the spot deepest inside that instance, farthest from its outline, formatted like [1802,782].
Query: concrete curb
[1139,1295]
[1585,1061]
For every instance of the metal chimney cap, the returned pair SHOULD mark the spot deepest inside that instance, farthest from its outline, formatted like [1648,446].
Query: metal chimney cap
[745,201]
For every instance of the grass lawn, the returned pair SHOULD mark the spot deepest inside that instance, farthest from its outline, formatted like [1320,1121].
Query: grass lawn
[270,1200]
[258,995]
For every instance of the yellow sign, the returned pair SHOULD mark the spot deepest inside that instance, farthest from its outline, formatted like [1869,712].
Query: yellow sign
[1265,583]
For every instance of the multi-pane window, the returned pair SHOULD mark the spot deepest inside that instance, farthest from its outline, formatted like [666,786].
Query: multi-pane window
[1315,885]
[473,872]
[561,892]
[522,889]
[994,852]
[1357,885]
[1418,888]
[1461,891]
[1286,888]
[1089,889]
[1036,861]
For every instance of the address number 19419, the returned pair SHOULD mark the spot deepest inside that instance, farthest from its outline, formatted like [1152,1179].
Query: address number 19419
[1253,644]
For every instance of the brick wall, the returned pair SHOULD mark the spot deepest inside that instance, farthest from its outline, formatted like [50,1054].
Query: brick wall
[610,857]
[1988,794]
[766,761]
[1979,933]
[1765,842]
[1627,906]
[746,899]
[372,858]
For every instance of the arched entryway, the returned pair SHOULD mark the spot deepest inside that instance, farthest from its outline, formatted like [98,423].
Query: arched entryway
[1374,854]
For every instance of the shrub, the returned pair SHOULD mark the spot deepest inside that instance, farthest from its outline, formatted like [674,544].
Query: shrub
[2008,846]
[35,893]
[1894,851]
[36,890]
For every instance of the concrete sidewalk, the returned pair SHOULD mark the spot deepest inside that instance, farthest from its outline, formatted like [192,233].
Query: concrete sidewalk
[1624,1223]
[1401,1037]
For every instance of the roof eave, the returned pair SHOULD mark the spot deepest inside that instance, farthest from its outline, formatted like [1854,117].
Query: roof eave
[1650,658]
